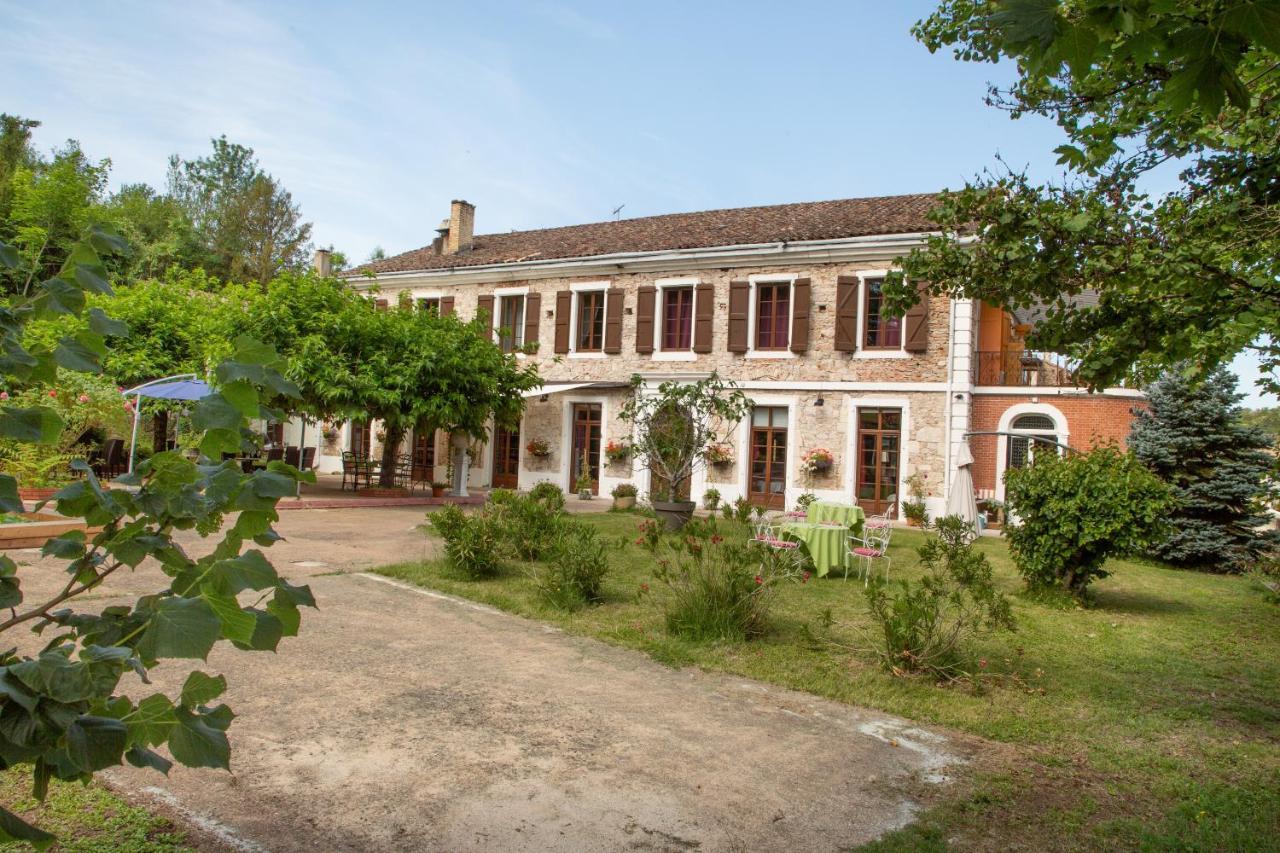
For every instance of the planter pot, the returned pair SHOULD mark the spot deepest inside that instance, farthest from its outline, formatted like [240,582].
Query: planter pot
[913,522]
[41,526]
[821,467]
[437,491]
[42,494]
[379,492]
[585,494]
[624,503]
[674,514]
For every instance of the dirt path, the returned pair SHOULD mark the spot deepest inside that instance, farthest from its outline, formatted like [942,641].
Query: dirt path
[407,720]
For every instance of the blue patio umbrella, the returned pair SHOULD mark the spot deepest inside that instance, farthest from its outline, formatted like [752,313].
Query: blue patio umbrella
[182,387]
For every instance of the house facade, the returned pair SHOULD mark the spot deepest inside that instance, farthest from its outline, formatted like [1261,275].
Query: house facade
[785,302]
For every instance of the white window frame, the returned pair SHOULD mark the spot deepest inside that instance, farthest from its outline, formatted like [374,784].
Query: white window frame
[576,289]
[1061,434]
[860,351]
[659,354]
[500,293]
[752,337]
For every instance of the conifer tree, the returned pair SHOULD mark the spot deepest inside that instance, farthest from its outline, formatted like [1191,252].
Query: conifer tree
[1191,436]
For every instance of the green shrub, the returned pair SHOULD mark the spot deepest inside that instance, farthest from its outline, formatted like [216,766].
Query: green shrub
[530,526]
[502,497]
[928,626]
[549,494]
[1264,576]
[711,499]
[802,502]
[575,570]
[1075,511]
[740,510]
[624,490]
[472,544]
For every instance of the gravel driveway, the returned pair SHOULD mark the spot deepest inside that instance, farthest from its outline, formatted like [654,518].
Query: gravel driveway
[403,719]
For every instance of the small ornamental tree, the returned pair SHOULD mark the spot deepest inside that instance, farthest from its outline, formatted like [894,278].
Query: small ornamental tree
[672,427]
[1075,511]
[63,711]
[1192,438]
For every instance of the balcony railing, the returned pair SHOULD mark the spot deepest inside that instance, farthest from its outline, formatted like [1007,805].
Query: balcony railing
[1021,369]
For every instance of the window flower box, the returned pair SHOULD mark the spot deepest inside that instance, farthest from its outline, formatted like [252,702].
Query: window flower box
[817,461]
[617,451]
[718,454]
[538,447]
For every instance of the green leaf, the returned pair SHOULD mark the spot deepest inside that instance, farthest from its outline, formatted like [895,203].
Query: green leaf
[58,296]
[283,608]
[215,412]
[198,740]
[9,256]
[1021,21]
[14,828]
[1258,20]
[1076,46]
[9,500]
[180,628]
[16,691]
[106,241]
[79,354]
[67,546]
[251,570]
[92,277]
[101,324]
[96,743]
[201,689]
[267,631]
[152,722]
[236,624]
[142,757]
[242,395]
[36,425]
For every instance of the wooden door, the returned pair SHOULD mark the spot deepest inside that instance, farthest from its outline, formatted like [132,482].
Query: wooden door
[361,440]
[506,458]
[767,486]
[424,455]
[586,446]
[879,449]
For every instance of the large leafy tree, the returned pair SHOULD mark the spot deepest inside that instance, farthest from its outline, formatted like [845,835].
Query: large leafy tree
[407,368]
[64,711]
[1190,275]
[1192,438]
[248,224]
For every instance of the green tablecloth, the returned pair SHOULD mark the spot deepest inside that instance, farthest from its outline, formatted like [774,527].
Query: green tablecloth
[849,515]
[828,545]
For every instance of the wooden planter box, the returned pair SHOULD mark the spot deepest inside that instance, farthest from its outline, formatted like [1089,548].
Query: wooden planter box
[42,526]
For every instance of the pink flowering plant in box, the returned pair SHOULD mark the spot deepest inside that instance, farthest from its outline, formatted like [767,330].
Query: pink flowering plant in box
[617,451]
[718,454]
[817,461]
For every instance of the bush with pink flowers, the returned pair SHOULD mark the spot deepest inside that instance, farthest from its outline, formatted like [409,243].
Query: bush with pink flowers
[91,409]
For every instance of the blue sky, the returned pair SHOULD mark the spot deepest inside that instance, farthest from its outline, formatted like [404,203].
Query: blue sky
[541,113]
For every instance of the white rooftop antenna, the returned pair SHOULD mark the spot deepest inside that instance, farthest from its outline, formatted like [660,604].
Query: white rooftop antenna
[617,210]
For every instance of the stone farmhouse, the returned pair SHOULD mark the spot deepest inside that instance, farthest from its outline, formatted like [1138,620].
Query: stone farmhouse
[783,300]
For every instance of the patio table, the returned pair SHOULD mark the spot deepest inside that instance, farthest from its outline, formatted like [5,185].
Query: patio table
[850,515]
[827,544]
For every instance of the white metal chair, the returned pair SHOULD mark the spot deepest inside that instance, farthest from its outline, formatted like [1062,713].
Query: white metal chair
[874,545]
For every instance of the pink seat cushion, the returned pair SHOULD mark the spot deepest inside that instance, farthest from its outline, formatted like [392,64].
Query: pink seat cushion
[866,552]
[877,524]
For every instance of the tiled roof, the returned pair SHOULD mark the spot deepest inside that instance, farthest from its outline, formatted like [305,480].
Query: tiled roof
[816,220]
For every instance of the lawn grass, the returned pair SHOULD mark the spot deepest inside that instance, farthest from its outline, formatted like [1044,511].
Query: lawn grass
[87,818]
[1149,719]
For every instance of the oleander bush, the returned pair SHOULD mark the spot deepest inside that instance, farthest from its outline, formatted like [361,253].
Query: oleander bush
[574,572]
[929,626]
[549,494]
[472,544]
[529,526]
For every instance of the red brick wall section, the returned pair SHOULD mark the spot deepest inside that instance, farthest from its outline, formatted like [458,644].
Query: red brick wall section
[1092,421]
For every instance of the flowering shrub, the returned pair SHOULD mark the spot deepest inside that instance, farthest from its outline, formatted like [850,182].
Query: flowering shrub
[650,534]
[90,408]
[617,451]
[718,454]
[816,461]
[538,447]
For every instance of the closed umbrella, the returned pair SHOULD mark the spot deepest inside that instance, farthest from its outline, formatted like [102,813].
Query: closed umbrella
[962,501]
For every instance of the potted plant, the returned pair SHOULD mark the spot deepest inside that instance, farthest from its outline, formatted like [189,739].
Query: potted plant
[624,496]
[802,502]
[617,451]
[817,461]
[994,511]
[914,508]
[583,486]
[718,454]
[538,447]
[672,428]
[438,488]
[711,499]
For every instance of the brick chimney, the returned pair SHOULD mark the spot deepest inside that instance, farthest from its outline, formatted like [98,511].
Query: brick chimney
[322,263]
[461,227]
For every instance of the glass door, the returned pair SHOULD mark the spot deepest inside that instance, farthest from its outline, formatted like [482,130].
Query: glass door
[879,447]
[360,438]
[506,458]
[768,476]
[424,455]
[586,446]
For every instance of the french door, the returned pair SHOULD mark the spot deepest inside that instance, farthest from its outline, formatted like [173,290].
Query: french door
[424,454]
[360,438]
[506,458]
[767,486]
[586,446]
[879,449]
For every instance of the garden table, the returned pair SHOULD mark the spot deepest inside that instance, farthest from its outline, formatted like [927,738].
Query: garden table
[827,544]
[850,515]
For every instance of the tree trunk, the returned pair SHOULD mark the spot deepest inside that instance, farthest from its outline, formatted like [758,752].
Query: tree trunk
[390,454]
[159,429]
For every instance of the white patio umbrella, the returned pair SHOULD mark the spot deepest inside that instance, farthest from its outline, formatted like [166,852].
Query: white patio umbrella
[962,501]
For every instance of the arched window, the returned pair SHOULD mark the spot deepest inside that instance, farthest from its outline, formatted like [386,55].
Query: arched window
[1022,448]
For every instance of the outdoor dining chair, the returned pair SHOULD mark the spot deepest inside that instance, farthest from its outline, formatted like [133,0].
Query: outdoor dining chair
[291,456]
[354,469]
[308,458]
[874,545]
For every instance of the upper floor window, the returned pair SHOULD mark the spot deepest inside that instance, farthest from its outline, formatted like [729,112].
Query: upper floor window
[880,330]
[511,322]
[773,315]
[430,305]
[590,333]
[677,318]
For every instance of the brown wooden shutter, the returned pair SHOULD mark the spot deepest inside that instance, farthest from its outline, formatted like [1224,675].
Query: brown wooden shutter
[646,294]
[564,304]
[532,310]
[381,304]
[916,321]
[800,292]
[704,317]
[613,301]
[847,313]
[446,306]
[739,308]
[484,305]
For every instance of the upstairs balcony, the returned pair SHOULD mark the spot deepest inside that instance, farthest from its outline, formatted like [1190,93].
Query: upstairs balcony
[1021,369]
